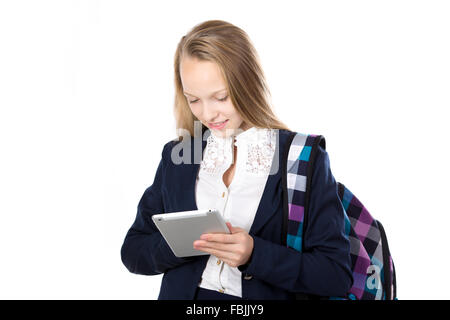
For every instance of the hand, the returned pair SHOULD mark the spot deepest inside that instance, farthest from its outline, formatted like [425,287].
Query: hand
[234,249]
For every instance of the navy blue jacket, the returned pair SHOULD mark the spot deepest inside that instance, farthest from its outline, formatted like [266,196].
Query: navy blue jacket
[274,271]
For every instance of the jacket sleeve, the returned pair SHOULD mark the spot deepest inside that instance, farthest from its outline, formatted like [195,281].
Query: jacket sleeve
[324,267]
[144,250]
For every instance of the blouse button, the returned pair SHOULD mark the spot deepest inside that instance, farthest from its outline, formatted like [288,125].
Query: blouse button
[218,262]
[223,194]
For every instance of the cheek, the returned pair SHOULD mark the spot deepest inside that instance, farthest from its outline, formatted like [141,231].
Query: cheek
[230,112]
[195,110]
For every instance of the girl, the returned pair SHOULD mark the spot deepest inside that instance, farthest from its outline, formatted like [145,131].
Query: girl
[221,88]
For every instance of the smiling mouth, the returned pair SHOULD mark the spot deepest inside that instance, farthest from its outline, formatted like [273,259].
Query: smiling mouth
[217,123]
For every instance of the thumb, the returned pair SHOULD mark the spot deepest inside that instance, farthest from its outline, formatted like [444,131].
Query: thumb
[231,228]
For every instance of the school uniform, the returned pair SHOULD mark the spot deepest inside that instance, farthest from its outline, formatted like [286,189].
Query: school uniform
[274,271]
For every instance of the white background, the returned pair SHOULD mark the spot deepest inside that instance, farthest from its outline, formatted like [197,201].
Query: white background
[86,97]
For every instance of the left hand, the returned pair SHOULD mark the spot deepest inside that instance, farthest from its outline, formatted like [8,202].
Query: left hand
[234,249]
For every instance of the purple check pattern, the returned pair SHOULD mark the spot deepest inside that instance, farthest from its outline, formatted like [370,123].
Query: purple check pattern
[368,248]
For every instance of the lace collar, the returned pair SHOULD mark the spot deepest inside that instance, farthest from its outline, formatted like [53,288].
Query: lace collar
[256,148]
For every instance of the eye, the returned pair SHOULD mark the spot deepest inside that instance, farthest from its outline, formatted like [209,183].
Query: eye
[223,99]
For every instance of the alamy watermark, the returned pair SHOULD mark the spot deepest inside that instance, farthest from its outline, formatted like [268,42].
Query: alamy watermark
[374,280]
[186,145]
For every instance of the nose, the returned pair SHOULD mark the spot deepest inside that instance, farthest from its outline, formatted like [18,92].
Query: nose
[210,113]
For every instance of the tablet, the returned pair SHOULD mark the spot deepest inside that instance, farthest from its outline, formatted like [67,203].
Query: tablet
[181,229]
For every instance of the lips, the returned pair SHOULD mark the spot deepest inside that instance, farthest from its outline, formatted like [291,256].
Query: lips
[218,125]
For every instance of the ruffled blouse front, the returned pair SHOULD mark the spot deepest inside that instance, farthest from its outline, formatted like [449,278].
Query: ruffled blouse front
[239,202]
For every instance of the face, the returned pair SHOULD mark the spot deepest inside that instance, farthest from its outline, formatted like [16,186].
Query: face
[207,96]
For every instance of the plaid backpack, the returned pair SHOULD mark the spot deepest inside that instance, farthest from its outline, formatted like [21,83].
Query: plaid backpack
[372,264]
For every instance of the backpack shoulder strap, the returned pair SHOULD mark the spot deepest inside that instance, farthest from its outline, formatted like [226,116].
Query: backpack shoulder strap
[297,170]
[367,250]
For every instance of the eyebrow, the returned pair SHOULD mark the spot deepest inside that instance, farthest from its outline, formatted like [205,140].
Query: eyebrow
[211,95]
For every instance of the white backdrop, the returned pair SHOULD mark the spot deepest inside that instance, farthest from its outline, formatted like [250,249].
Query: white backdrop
[86,97]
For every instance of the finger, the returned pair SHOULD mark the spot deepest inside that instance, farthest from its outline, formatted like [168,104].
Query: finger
[222,255]
[219,237]
[234,229]
[215,245]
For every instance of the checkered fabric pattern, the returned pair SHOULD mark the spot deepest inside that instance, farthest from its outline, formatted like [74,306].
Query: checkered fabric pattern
[368,244]
[297,165]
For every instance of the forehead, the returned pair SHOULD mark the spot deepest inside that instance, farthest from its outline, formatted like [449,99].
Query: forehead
[201,77]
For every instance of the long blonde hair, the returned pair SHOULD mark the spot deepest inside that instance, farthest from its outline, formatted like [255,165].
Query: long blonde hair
[230,47]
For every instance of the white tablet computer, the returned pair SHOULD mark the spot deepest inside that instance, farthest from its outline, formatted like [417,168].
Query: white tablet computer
[181,229]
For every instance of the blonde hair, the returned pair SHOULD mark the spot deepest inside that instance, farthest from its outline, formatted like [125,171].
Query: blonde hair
[230,47]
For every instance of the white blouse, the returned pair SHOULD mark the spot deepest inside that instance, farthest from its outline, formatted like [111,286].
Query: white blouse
[239,202]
